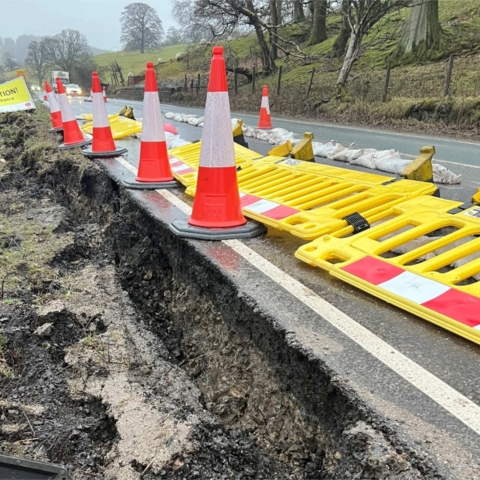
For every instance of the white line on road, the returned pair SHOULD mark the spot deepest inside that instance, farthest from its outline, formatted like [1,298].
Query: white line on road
[447,397]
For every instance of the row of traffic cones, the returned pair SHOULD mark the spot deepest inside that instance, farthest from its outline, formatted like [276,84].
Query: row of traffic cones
[216,212]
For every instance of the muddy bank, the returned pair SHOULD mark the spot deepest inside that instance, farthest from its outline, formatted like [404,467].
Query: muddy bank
[165,364]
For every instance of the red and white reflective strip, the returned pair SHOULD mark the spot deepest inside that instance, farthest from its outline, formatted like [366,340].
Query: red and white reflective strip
[266,208]
[52,102]
[152,125]
[65,108]
[179,167]
[100,116]
[217,148]
[430,294]
[265,103]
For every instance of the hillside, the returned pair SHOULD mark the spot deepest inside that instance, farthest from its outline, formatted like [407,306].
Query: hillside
[416,87]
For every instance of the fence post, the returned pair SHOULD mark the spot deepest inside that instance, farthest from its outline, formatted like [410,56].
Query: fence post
[254,75]
[448,79]
[310,82]
[198,83]
[387,81]
[235,80]
[185,85]
[279,80]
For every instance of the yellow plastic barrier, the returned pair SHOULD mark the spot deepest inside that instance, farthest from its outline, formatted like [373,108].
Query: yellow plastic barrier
[302,200]
[327,170]
[121,127]
[426,260]
[184,161]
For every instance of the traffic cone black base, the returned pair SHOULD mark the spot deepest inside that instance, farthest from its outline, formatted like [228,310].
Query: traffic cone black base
[184,229]
[151,185]
[64,146]
[58,129]
[88,152]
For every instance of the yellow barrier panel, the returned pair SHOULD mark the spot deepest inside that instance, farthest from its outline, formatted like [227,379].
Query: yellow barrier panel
[302,200]
[327,170]
[121,127]
[184,161]
[426,260]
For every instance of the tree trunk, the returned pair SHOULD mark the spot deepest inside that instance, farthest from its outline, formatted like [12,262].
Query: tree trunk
[275,22]
[298,12]
[423,30]
[267,63]
[341,41]
[279,12]
[319,26]
[350,57]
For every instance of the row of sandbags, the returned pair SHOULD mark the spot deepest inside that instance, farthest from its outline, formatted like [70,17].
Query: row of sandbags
[385,160]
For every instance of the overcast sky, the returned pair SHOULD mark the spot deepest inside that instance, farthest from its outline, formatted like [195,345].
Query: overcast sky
[99,20]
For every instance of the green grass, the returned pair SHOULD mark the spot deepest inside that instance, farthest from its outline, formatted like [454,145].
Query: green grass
[135,61]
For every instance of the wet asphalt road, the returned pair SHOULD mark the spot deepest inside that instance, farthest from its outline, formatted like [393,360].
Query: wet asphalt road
[450,358]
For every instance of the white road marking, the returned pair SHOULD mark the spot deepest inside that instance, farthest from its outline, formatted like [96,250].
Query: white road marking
[447,397]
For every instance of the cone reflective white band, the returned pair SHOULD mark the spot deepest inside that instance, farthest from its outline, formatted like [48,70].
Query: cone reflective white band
[217,148]
[265,104]
[152,125]
[65,108]
[52,103]
[100,117]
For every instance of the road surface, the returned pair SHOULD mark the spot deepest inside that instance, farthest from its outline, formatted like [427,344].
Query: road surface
[449,364]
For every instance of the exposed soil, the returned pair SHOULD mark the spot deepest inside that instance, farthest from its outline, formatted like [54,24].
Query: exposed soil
[122,360]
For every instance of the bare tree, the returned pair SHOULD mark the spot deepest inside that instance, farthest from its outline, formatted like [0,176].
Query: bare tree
[319,23]
[223,16]
[37,59]
[423,30]
[362,16]
[67,50]
[141,27]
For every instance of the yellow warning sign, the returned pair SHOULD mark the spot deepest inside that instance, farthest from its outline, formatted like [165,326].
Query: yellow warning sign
[14,95]
[425,260]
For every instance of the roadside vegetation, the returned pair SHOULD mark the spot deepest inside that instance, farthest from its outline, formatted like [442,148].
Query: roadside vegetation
[416,90]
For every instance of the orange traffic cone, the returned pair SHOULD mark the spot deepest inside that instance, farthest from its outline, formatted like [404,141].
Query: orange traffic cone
[55,113]
[154,166]
[265,122]
[72,135]
[103,144]
[104,95]
[216,213]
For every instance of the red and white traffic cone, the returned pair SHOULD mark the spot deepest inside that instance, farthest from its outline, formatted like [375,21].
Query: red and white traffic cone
[154,166]
[216,213]
[55,113]
[72,135]
[104,95]
[265,122]
[102,144]
[45,96]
